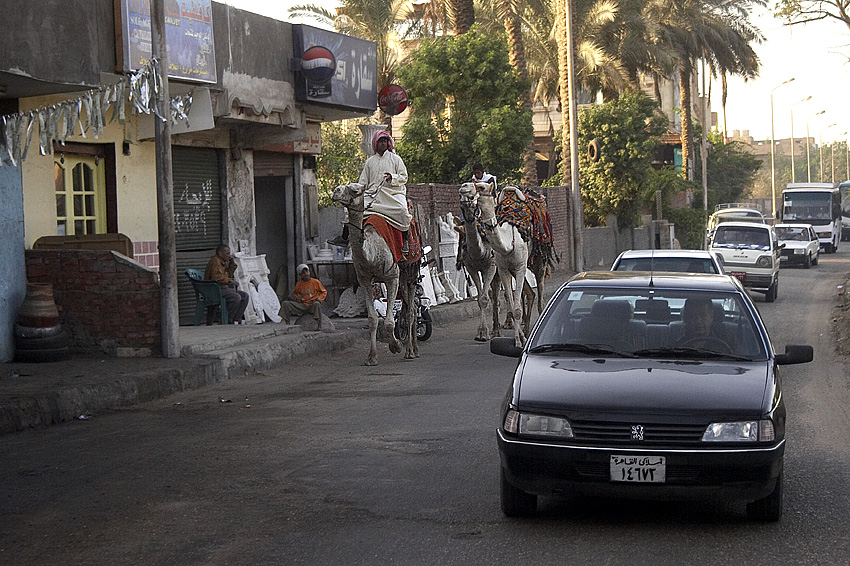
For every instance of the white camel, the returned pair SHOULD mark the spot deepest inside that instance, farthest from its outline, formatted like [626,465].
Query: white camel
[511,253]
[479,260]
[373,263]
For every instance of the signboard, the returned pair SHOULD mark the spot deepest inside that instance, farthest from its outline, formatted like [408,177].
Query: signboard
[392,100]
[188,38]
[353,82]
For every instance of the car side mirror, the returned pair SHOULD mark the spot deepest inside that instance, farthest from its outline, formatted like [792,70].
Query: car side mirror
[504,346]
[795,354]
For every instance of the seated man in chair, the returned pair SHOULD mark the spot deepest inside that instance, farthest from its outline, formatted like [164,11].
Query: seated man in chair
[221,268]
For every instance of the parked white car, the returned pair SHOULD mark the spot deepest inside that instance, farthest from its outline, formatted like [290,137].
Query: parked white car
[682,261]
[801,244]
[750,252]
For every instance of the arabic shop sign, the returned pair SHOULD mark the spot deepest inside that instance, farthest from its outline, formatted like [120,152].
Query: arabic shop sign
[188,37]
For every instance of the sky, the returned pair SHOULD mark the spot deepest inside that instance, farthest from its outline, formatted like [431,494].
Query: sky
[810,54]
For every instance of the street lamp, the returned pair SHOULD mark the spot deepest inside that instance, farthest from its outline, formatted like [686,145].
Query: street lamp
[832,154]
[808,162]
[773,151]
[820,148]
[793,149]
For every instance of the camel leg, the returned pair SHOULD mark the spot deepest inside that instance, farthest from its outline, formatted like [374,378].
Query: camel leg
[527,306]
[389,322]
[483,335]
[509,317]
[408,277]
[494,288]
[372,358]
[516,304]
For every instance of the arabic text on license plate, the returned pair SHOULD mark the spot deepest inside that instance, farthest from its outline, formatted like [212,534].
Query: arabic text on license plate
[643,469]
[740,275]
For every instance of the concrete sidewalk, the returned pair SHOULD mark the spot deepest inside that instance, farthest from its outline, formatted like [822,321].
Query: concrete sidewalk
[33,395]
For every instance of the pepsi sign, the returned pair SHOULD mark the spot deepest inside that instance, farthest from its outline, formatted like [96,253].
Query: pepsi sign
[318,65]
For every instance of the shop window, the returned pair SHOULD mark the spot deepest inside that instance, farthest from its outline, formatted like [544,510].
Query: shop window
[80,187]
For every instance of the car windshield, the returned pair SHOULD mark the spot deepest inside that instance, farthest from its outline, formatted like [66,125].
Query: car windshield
[741,236]
[652,322]
[676,264]
[791,233]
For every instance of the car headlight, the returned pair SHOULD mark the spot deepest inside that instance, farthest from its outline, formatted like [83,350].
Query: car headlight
[742,431]
[765,261]
[541,426]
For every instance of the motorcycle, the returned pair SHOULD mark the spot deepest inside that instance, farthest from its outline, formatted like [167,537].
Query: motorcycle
[422,304]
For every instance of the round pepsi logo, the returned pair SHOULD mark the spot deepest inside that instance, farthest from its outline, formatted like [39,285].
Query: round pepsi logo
[318,65]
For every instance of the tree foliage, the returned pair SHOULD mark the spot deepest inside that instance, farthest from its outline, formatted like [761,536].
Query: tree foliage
[627,131]
[731,170]
[465,108]
[341,159]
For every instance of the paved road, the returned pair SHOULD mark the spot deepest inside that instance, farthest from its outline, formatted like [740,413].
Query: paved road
[330,462]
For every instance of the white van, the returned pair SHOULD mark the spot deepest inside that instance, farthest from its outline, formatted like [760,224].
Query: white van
[750,252]
[731,212]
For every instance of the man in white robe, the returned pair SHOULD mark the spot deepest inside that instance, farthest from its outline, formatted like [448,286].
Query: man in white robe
[385,194]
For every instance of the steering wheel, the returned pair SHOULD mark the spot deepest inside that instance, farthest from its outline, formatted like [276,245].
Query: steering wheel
[707,342]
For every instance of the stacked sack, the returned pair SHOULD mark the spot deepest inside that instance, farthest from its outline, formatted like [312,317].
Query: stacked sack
[38,335]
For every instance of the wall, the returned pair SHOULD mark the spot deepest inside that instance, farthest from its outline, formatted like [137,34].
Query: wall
[104,299]
[135,181]
[13,282]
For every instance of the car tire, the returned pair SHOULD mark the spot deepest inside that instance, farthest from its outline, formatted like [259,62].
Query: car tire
[808,263]
[816,258]
[770,295]
[768,509]
[42,356]
[61,340]
[515,502]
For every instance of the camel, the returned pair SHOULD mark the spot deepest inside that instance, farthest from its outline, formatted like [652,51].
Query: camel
[373,263]
[479,259]
[511,254]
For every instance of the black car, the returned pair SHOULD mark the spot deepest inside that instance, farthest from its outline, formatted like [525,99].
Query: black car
[646,386]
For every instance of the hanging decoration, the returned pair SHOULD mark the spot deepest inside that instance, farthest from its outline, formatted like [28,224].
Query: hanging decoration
[88,112]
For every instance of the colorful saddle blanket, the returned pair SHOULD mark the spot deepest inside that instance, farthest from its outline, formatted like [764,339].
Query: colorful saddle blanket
[392,236]
[529,214]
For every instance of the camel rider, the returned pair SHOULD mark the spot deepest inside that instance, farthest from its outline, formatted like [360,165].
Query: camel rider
[481,176]
[383,178]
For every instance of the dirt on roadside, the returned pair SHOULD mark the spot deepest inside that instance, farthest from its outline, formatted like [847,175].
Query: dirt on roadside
[841,320]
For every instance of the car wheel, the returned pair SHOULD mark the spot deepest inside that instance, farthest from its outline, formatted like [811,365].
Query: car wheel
[770,296]
[816,258]
[808,263]
[770,508]
[515,502]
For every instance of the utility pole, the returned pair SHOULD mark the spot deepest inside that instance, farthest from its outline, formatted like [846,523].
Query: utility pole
[169,316]
[578,207]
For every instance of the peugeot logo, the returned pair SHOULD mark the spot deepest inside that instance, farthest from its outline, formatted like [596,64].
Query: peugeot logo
[637,432]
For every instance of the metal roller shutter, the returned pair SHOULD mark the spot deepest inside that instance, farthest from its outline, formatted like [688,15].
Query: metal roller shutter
[273,164]
[197,198]
[197,217]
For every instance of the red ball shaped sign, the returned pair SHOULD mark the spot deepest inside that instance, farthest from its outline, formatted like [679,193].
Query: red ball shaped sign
[318,65]
[392,99]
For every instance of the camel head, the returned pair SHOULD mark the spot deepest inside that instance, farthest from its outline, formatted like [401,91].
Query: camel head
[347,195]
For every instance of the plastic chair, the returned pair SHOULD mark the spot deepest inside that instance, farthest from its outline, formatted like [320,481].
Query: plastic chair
[207,296]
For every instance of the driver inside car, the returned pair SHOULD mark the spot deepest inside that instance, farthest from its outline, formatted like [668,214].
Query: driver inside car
[700,328]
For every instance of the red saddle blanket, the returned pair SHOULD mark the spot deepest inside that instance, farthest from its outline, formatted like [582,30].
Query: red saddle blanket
[392,236]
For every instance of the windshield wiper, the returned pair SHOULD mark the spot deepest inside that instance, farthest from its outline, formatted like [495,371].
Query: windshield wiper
[583,348]
[689,353]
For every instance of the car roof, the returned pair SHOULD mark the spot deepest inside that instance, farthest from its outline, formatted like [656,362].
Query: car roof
[738,212]
[696,254]
[659,280]
[750,225]
[795,225]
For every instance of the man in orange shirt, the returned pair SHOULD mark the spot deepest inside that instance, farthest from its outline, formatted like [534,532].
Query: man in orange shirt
[309,294]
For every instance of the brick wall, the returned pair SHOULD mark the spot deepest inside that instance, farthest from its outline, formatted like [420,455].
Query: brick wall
[105,300]
[434,199]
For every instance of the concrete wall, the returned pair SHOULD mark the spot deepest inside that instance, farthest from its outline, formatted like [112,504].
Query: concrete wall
[105,300]
[14,280]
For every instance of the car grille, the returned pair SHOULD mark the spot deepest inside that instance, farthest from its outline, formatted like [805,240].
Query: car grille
[620,434]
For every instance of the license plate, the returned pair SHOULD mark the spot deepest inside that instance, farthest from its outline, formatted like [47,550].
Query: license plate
[740,275]
[639,469]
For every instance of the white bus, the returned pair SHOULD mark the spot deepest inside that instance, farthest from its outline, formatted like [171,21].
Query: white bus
[818,204]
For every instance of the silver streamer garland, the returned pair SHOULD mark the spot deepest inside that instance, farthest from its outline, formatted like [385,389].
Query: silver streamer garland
[57,122]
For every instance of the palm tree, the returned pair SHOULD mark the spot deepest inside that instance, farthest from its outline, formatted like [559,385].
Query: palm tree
[380,21]
[463,15]
[714,30]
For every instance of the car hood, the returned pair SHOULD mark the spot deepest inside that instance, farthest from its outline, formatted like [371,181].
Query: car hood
[794,244]
[629,386]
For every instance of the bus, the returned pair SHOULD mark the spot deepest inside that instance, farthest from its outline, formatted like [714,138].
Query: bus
[818,204]
[844,190]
